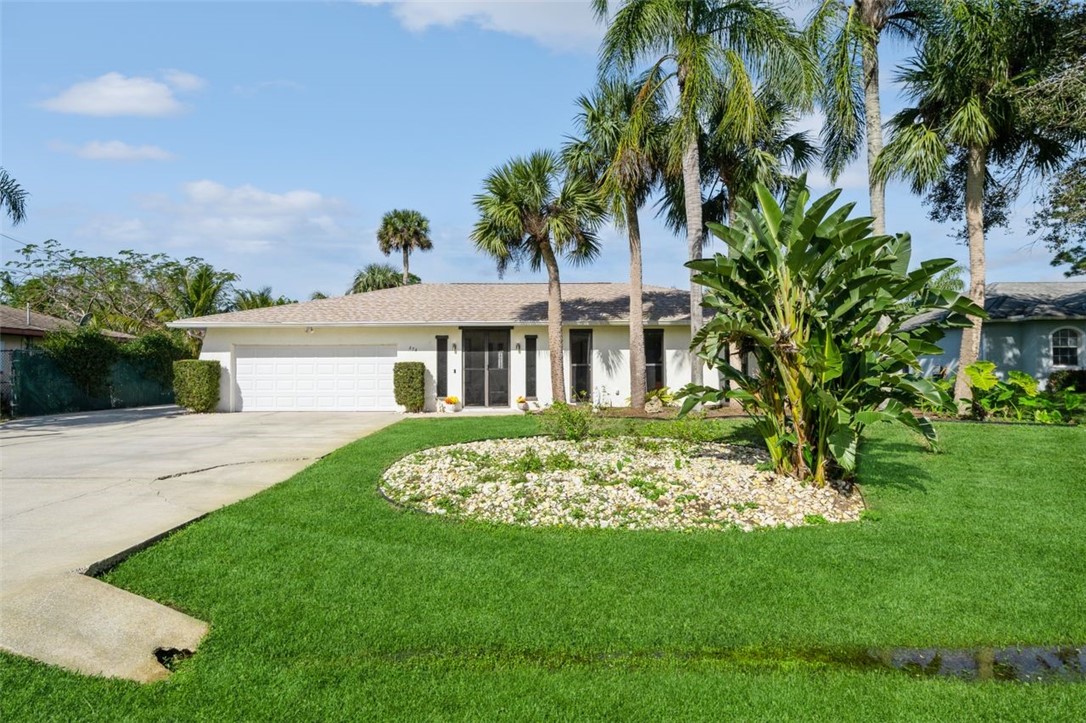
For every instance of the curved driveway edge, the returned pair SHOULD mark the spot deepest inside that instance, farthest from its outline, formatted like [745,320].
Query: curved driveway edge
[78,489]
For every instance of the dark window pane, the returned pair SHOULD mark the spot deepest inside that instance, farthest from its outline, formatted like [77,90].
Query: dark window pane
[442,381]
[529,366]
[1065,343]
[654,359]
[580,342]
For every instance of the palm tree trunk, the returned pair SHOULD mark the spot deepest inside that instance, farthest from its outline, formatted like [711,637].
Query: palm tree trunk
[694,241]
[406,272]
[969,352]
[554,324]
[637,313]
[695,233]
[735,357]
[873,125]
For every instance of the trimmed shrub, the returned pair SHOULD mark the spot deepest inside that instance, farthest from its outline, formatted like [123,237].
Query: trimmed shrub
[85,355]
[567,421]
[409,384]
[1073,379]
[196,384]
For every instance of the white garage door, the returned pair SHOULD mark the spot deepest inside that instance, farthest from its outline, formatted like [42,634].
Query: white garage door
[315,379]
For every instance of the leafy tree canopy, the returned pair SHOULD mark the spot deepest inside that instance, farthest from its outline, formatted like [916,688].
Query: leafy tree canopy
[245,299]
[132,292]
[1060,221]
[374,277]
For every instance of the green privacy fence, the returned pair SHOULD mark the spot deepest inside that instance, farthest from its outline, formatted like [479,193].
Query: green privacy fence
[39,386]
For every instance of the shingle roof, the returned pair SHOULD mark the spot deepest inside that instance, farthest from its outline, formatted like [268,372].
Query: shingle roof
[14,321]
[1020,300]
[442,304]
[1036,300]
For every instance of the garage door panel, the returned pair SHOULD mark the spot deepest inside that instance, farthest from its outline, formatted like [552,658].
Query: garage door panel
[349,378]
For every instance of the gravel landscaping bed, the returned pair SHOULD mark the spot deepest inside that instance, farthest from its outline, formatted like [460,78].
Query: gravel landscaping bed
[624,482]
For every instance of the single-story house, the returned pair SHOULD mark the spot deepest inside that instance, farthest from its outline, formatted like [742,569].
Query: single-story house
[484,343]
[22,329]
[1034,327]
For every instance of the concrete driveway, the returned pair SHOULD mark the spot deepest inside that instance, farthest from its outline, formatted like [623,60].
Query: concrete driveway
[78,490]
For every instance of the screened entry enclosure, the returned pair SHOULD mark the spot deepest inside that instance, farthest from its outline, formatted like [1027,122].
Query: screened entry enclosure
[486,367]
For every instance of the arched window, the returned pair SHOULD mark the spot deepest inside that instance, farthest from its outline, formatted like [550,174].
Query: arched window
[1065,347]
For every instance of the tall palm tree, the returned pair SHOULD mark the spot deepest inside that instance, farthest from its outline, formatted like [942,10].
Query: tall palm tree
[696,43]
[529,212]
[732,164]
[12,198]
[847,36]
[772,155]
[623,158]
[405,231]
[374,277]
[966,83]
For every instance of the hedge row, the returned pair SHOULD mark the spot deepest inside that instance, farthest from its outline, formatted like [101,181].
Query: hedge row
[87,356]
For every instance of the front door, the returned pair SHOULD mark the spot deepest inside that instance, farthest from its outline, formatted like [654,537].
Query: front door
[486,367]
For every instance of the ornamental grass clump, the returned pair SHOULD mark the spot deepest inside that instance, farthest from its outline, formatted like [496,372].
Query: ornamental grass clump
[822,305]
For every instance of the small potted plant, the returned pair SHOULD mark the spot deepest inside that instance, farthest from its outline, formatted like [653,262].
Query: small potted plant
[452,403]
[522,403]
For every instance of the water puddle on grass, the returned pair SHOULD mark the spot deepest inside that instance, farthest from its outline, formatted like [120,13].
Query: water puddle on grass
[1032,664]
[1025,664]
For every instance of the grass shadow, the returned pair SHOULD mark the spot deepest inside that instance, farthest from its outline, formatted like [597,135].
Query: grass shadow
[882,465]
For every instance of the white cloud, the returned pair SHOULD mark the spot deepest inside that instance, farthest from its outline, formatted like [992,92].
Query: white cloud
[114,94]
[209,217]
[180,80]
[114,151]
[556,24]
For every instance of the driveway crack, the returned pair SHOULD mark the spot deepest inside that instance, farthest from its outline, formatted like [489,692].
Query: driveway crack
[235,464]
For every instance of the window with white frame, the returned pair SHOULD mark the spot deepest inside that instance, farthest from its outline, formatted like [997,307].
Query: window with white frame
[1065,347]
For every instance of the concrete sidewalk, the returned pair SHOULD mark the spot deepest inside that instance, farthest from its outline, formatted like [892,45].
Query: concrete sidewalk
[79,489]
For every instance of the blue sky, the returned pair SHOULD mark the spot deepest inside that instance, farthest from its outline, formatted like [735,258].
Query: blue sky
[270,137]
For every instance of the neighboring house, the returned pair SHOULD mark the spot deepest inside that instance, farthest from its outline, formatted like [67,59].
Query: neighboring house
[22,329]
[1034,327]
[484,343]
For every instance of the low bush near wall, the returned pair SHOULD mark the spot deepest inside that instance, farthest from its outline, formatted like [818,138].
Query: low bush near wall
[409,384]
[1019,399]
[1073,379]
[196,384]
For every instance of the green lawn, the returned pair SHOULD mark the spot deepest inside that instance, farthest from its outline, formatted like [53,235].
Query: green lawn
[327,603]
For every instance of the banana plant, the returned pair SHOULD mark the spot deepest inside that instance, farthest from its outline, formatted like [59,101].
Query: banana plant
[831,314]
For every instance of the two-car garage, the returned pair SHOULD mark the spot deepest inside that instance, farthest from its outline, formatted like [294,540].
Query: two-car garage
[314,378]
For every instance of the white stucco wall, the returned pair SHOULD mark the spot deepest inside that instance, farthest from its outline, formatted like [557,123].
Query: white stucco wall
[1022,345]
[610,356]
